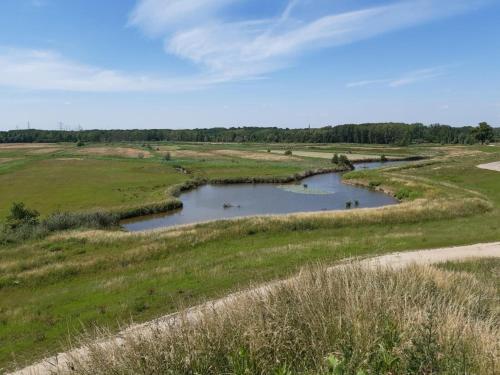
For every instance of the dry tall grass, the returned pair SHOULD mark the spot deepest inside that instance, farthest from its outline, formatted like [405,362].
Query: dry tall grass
[351,320]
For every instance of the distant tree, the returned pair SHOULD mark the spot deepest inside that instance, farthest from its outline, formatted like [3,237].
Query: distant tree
[288,152]
[21,215]
[335,159]
[483,133]
[80,143]
[167,156]
[383,158]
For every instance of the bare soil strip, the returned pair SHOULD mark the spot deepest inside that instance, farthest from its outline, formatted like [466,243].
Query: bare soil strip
[394,260]
[495,166]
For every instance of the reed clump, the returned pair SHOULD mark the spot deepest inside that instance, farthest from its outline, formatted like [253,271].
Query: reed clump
[349,320]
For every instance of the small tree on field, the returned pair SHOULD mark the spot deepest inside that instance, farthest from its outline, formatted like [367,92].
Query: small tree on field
[167,156]
[80,143]
[288,152]
[335,159]
[21,215]
[344,160]
[383,158]
[483,133]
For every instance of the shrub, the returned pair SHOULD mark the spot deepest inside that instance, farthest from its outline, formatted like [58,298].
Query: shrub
[288,152]
[80,143]
[403,193]
[20,215]
[344,161]
[335,159]
[167,156]
[67,220]
[383,158]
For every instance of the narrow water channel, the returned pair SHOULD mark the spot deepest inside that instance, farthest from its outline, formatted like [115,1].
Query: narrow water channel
[316,193]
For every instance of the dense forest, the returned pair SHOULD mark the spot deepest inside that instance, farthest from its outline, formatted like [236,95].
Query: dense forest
[379,133]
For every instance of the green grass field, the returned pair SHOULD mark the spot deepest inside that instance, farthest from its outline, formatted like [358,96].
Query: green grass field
[51,288]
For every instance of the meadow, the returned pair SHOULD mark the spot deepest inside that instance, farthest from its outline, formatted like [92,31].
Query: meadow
[57,286]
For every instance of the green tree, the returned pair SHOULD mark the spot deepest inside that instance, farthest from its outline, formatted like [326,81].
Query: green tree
[483,133]
[335,159]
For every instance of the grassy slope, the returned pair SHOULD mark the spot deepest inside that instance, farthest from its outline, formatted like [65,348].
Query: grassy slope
[417,320]
[105,278]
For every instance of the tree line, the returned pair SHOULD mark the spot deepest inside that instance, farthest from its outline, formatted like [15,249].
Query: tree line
[372,133]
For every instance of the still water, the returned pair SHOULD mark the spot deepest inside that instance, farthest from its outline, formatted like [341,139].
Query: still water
[316,193]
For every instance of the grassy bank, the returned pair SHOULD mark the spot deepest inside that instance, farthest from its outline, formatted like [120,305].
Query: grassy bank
[107,278]
[348,321]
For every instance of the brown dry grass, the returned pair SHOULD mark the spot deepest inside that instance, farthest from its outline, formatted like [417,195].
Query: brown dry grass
[329,155]
[253,155]
[127,152]
[43,151]
[191,154]
[341,321]
[10,146]
[6,160]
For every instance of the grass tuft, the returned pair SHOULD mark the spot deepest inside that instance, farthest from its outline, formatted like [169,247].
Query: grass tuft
[346,321]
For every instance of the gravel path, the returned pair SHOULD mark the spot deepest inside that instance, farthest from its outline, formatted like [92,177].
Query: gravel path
[495,166]
[395,260]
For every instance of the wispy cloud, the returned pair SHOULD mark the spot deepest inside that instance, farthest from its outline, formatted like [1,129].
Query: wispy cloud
[405,79]
[225,46]
[47,70]
[253,47]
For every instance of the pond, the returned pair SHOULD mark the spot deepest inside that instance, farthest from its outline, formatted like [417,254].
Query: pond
[316,193]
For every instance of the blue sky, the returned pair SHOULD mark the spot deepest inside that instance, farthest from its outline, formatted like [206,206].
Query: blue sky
[288,63]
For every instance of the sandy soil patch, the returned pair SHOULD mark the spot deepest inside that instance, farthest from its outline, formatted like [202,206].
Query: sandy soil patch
[60,362]
[6,160]
[191,154]
[495,166]
[126,152]
[329,155]
[42,151]
[69,159]
[253,155]
[17,146]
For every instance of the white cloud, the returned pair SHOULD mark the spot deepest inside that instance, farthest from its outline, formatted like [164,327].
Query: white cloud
[47,70]
[417,76]
[253,47]
[156,16]
[405,79]
[225,47]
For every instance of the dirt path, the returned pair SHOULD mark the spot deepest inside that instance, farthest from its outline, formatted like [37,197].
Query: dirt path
[395,260]
[495,166]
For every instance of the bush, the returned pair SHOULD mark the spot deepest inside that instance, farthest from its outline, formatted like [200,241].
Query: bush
[383,158]
[167,156]
[67,220]
[335,159]
[288,152]
[403,193]
[20,216]
[80,143]
[344,161]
